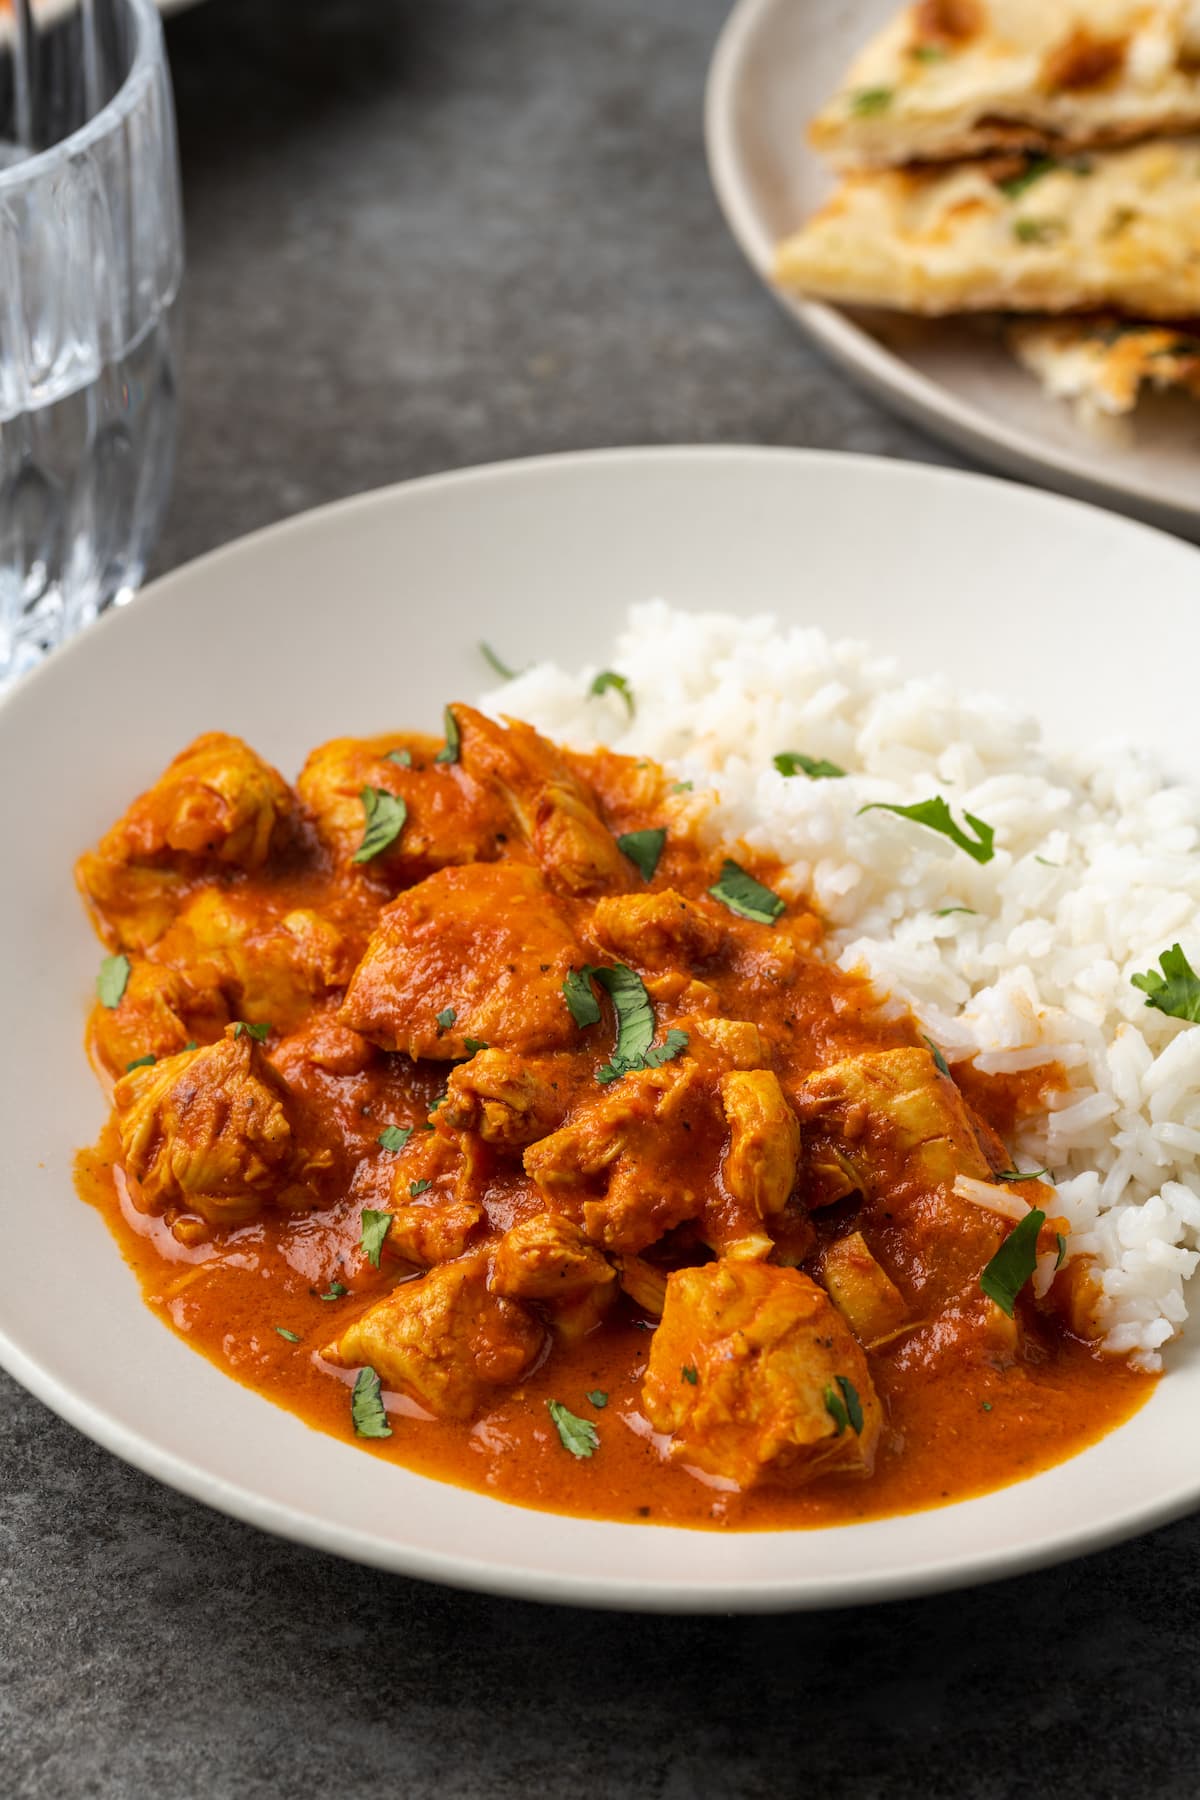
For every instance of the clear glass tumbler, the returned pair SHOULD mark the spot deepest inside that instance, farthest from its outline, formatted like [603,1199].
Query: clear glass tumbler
[91,260]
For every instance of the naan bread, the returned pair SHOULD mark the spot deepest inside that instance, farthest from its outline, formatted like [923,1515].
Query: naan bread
[952,78]
[1119,229]
[1104,365]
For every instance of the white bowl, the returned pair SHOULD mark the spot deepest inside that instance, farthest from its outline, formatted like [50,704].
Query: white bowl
[366,616]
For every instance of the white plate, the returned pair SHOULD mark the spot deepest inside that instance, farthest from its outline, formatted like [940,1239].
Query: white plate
[775,63]
[366,616]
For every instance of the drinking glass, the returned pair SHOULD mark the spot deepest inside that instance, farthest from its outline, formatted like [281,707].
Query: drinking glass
[91,260]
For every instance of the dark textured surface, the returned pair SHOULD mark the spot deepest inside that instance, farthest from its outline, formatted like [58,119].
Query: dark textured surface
[424,236]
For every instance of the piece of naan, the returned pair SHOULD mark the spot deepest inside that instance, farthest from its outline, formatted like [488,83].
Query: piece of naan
[1104,365]
[950,78]
[1114,230]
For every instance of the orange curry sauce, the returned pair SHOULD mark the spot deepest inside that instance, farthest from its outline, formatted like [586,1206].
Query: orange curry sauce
[966,1409]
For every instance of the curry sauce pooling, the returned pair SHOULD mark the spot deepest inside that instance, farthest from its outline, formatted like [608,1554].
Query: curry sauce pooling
[470,1103]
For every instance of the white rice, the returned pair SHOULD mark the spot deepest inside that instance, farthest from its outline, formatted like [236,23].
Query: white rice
[1096,871]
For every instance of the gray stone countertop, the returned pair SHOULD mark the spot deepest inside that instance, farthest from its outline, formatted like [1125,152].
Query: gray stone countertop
[422,236]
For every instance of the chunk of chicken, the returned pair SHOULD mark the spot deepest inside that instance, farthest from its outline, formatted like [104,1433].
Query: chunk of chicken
[645,1284]
[547,1258]
[756,1378]
[869,1301]
[211,1131]
[902,1134]
[268,968]
[449,819]
[655,931]
[736,1042]
[764,1140]
[486,948]
[628,1165]
[159,1014]
[217,804]
[891,1107]
[512,1100]
[444,1339]
[432,1233]
[557,814]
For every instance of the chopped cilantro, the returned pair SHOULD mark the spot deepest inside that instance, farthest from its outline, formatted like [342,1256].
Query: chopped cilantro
[580,998]
[419,1187]
[1046,863]
[928,53]
[1061,1258]
[445,1019]
[986,1407]
[293,1337]
[579,1436]
[689,1374]
[334,1291]
[474,1045]
[493,661]
[1037,231]
[1020,1174]
[112,980]
[1034,169]
[643,848]
[1013,1263]
[598,1398]
[450,725]
[835,1406]
[1177,990]
[740,892]
[940,1063]
[394,1137]
[191,1044]
[375,1227]
[366,1406]
[854,1411]
[608,678]
[401,758]
[383,815]
[142,1062]
[869,101]
[682,787]
[936,816]
[944,912]
[794,762]
[635,1048]
[259,1031]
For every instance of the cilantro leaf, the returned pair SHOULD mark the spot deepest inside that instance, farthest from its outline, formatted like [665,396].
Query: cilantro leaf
[608,678]
[335,1291]
[375,1227]
[445,1019]
[1013,1263]
[944,912]
[682,787]
[1034,169]
[581,1001]
[1061,1241]
[1020,1174]
[643,848]
[394,1137]
[835,1406]
[793,762]
[1177,990]
[419,1187]
[384,815]
[450,725]
[1037,231]
[366,1406]
[740,892]
[579,1436]
[936,815]
[598,1398]
[673,1045]
[142,1062]
[689,1374]
[867,102]
[853,1404]
[293,1337]
[112,980]
[401,758]
[928,53]
[635,1015]
[474,1045]
[260,1031]
[939,1061]
[493,661]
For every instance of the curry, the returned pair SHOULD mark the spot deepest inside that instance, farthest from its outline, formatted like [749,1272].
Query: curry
[468,1101]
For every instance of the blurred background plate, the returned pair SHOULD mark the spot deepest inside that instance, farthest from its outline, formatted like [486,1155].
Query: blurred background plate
[775,63]
[367,615]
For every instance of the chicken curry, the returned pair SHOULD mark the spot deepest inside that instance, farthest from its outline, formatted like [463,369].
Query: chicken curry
[467,1100]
